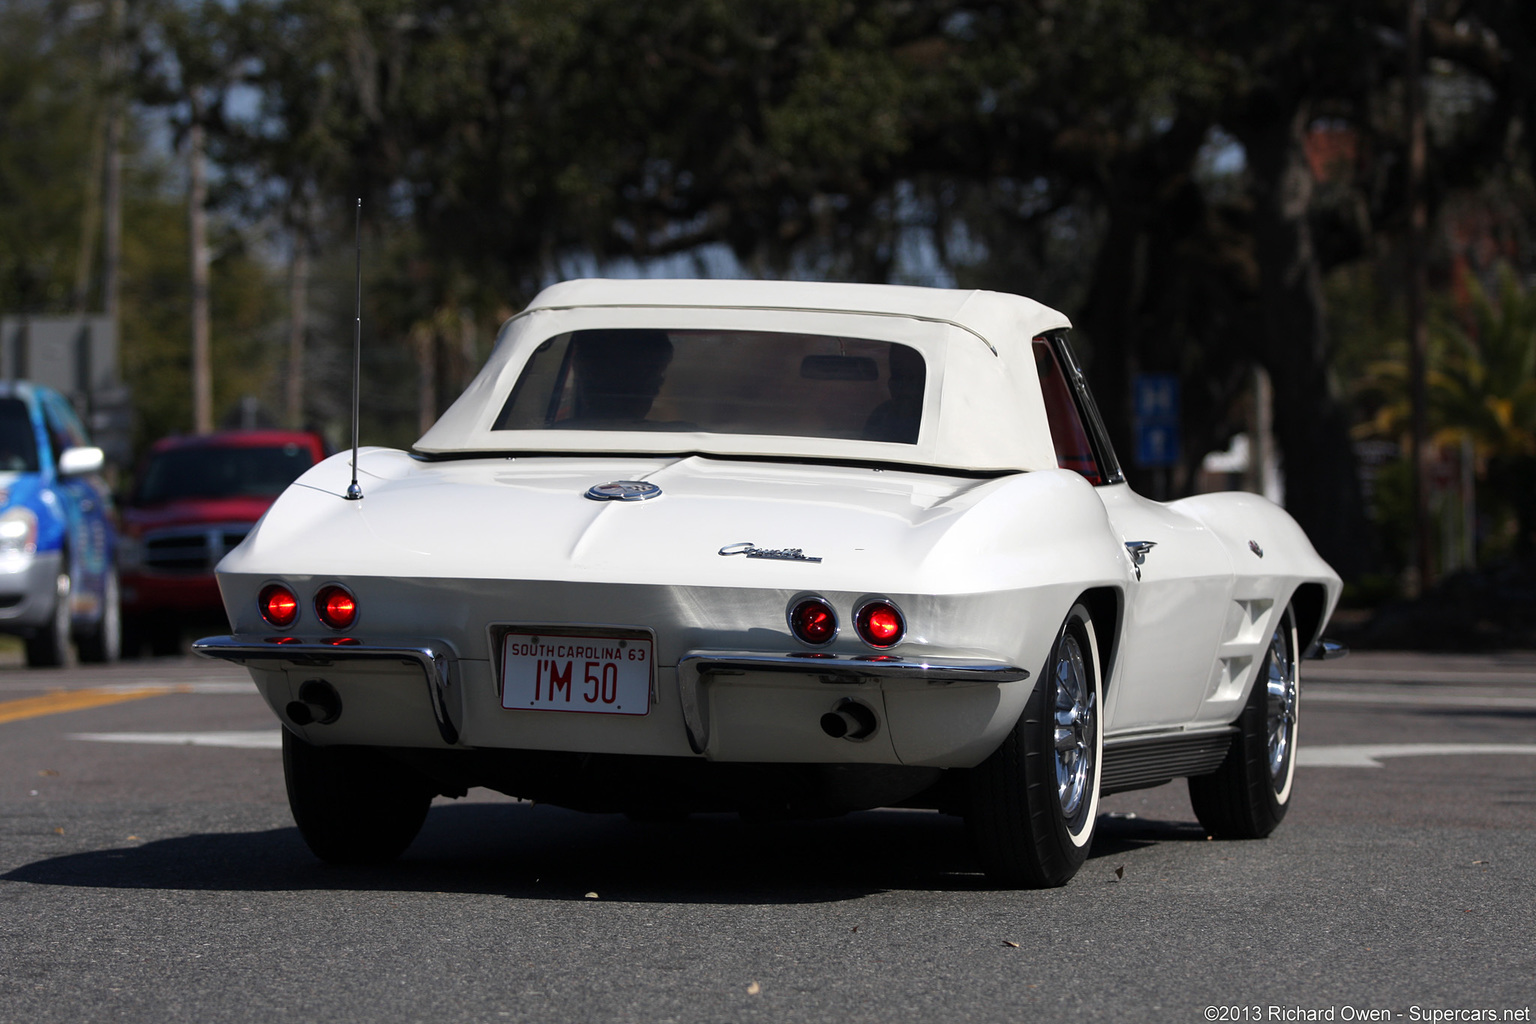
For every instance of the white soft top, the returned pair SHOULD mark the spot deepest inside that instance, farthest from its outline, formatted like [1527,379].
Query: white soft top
[982,409]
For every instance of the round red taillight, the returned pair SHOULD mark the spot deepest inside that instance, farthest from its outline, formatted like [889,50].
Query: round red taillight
[278,605]
[336,607]
[813,622]
[880,624]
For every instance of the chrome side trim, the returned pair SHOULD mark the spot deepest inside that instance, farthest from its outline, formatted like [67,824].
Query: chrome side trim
[1323,649]
[433,658]
[855,668]
[696,668]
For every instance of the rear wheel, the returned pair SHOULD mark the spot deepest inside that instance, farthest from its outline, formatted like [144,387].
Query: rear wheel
[353,805]
[1032,804]
[49,647]
[1248,795]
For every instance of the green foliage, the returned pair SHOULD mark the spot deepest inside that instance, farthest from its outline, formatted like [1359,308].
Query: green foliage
[48,121]
[1485,387]
[1480,375]
[155,352]
[1485,383]
[1061,148]
[52,102]
[1481,385]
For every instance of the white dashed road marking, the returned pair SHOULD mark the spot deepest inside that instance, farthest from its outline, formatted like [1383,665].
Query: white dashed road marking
[258,739]
[1368,755]
[1442,698]
[206,686]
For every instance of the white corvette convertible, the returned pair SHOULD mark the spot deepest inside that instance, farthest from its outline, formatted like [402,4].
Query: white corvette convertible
[781,549]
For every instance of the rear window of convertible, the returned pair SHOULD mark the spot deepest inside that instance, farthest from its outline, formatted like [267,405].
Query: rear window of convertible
[723,382]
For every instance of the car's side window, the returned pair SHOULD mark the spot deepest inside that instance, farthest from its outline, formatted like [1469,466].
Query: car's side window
[1073,450]
[69,423]
[64,430]
[57,441]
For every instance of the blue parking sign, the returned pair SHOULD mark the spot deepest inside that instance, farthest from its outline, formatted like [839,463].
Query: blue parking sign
[1157,444]
[1157,397]
[1157,419]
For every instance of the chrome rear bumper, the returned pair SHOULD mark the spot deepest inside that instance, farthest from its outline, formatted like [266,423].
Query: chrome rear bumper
[696,668]
[695,671]
[432,657]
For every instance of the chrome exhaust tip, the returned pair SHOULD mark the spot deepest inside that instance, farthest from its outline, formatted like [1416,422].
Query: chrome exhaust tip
[849,720]
[318,704]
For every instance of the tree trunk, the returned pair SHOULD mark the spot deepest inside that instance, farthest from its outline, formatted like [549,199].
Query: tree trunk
[112,184]
[424,338]
[1417,285]
[197,232]
[112,214]
[298,326]
[1110,321]
[1322,485]
[1136,316]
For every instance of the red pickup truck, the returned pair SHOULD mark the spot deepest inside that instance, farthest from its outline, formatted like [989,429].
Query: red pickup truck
[195,499]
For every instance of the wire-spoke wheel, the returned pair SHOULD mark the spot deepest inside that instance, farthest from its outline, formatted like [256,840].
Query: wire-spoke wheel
[1248,795]
[1075,752]
[1282,690]
[1032,804]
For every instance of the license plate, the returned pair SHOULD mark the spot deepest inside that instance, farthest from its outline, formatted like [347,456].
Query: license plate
[590,674]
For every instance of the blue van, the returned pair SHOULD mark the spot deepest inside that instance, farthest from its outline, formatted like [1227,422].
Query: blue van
[58,578]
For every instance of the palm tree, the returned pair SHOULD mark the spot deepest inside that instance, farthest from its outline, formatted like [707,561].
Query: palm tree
[1481,380]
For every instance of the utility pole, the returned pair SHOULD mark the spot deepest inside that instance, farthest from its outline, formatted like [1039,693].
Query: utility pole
[1418,344]
[90,219]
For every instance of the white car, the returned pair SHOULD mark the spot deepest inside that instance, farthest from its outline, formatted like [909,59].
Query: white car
[777,548]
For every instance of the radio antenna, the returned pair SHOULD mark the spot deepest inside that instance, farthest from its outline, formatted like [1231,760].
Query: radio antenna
[354,492]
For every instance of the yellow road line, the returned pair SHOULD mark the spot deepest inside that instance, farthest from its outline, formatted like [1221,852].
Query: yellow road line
[72,700]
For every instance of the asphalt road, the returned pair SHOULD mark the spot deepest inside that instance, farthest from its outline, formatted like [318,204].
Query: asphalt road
[149,871]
